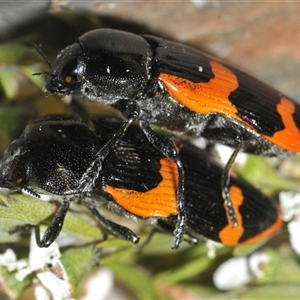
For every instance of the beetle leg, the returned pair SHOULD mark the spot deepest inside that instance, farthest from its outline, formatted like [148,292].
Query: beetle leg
[77,108]
[118,230]
[54,228]
[87,181]
[168,149]
[168,228]
[225,178]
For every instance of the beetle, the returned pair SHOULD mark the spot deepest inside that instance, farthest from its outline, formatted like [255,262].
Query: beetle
[181,89]
[136,181]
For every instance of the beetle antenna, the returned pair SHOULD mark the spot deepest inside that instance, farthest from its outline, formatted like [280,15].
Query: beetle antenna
[44,57]
[40,73]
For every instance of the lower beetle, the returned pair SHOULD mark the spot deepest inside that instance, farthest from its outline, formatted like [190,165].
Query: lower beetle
[136,180]
[181,89]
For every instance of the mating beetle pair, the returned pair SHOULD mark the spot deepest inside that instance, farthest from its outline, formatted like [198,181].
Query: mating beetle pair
[181,89]
[136,180]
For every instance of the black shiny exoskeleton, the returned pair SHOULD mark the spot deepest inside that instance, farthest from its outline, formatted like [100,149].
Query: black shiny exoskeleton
[178,88]
[136,180]
[121,68]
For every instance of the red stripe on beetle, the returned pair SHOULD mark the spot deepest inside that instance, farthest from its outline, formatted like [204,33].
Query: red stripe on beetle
[160,201]
[213,97]
[204,97]
[289,137]
[231,235]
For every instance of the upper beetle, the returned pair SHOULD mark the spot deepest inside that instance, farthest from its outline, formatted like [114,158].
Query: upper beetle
[181,89]
[178,88]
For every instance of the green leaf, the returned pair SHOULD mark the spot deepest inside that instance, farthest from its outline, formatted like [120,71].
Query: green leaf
[78,262]
[37,80]
[17,54]
[20,209]
[10,285]
[259,172]
[246,249]
[195,262]
[9,80]
[136,279]
[281,269]
[278,291]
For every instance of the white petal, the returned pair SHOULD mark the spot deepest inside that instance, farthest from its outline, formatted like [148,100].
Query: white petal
[290,205]
[225,153]
[59,269]
[232,274]
[212,247]
[294,230]
[99,285]
[59,289]
[7,258]
[40,257]
[22,273]
[40,292]
[256,263]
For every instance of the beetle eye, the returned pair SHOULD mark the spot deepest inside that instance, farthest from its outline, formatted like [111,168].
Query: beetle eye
[17,174]
[72,72]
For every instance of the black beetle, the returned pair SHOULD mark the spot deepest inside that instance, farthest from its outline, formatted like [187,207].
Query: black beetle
[136,180]
[181,89]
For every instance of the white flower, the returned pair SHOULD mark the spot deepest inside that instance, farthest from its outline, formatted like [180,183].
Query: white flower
[45,263]
[212,247]
[58,288]
[290,206]
[225,153]
[41,257]
[9,260]
[99,285]
[238,271]
[294,229]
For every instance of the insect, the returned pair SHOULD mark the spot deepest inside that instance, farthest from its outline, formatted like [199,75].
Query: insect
[136,181]
[181,89]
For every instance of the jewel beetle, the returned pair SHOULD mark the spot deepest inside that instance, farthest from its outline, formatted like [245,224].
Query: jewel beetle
[136,181]
[180,89]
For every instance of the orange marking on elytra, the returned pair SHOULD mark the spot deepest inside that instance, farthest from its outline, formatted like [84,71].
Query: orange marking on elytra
[160,201]
[230,235]
[205,97]
[289,137]
[213,97]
